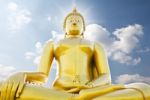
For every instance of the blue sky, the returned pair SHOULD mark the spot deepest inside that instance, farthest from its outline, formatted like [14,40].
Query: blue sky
[121,25]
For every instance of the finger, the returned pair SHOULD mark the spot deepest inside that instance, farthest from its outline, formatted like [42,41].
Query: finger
[10,85]
[1,83]
[20,88]
[73,90]
[1,87]
[13,91]
[3,91]
[9,88]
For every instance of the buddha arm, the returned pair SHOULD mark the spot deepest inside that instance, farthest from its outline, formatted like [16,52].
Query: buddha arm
[44,66]
[101,66]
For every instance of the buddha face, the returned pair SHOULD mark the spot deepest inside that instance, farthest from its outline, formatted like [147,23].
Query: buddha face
[74,25]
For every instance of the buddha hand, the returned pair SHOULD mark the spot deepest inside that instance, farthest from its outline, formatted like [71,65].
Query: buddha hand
[86,86]
[80,87]
[12,87]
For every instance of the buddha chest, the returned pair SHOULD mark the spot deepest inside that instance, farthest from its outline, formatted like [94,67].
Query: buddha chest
[74,60]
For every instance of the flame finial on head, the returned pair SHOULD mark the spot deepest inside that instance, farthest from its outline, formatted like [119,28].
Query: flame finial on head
[74,10]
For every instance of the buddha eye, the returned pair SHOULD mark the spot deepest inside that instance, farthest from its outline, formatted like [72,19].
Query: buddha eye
[71,21]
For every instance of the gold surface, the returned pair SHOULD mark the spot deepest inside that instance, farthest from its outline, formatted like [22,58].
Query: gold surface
[83,72]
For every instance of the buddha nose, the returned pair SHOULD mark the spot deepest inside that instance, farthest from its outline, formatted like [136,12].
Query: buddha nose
[74,24]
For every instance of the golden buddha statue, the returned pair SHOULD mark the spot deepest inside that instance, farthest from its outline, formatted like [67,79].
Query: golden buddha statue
[83,72]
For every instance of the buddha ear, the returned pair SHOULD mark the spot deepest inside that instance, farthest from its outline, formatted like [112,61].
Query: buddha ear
[82,35]
[65,34]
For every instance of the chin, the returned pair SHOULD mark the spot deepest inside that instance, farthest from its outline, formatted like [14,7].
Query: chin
[74,32]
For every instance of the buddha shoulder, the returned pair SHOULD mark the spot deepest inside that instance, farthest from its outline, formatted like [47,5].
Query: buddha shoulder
[81,42]
[49,45]
[74,41]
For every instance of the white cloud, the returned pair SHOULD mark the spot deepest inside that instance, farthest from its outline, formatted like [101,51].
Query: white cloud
[120,44]
[6,71]
[127,38]
[56,36]
[12,6]
[49,18]
[124,58]
[127,78]
[39,47]
[135,61]
[37,59]
[18,16]
[143,50]
[35,55]
[29,55]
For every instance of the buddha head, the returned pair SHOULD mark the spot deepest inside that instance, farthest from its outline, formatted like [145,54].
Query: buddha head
[74,24]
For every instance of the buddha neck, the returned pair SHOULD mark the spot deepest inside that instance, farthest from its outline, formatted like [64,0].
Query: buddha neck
[73,36]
